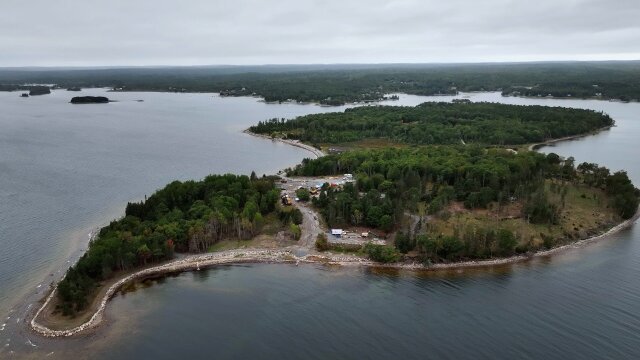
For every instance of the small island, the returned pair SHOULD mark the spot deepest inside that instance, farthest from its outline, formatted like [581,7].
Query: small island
[74,88]
[39,90]
[437,123]
[90,100]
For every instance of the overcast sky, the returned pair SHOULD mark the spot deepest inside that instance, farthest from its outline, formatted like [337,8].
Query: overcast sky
[198,32]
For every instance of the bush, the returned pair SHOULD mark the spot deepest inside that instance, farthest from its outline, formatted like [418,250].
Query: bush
[506,242]
[382,253]
[303,194]
[548,241]
[404,243]
[290,214]
[296,216]
[539,210]
[451,247]
[295,231]
[321,242]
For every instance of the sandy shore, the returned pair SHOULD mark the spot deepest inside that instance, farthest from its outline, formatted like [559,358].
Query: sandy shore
[317,152]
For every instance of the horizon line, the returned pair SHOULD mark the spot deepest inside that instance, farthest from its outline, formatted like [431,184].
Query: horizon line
[506,62]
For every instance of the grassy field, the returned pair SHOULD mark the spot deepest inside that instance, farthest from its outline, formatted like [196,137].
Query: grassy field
[584,212]
[268,238]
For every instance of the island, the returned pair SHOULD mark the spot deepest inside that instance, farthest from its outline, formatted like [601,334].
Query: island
[74,88]
[90,100]
[434,186]
[39,90]
[438,123]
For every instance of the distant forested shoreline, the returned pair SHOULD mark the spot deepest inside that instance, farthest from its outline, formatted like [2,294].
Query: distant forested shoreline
[341,84]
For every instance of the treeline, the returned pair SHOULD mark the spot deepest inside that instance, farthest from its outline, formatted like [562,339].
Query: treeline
[622,91]
[12,87]
[391,182]
[339,84]
[184,216]
[15,87]
[439,123]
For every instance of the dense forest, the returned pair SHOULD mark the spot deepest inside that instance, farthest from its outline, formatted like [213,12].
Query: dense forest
[439,123]
[184,216]
[339,84]
[392,182]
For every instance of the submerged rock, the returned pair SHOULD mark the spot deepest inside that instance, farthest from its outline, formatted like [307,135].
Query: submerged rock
[89,100]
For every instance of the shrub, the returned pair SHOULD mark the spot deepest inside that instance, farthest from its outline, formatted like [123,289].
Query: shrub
[506,242]
[404,243]
[539,210]
[321,242]
[295,231]
[382,253]
[303,194]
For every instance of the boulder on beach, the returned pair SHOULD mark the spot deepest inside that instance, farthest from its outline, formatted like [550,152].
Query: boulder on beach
[89,100]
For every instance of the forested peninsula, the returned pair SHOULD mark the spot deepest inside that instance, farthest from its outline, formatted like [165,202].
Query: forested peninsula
[447,191]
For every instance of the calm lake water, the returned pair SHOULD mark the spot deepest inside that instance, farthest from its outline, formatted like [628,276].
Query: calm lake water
[66,169]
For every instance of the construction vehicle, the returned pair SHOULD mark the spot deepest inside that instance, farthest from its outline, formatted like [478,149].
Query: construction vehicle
[286,200]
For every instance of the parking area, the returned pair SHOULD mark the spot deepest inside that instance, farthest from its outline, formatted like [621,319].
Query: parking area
[347,236]
[289,186]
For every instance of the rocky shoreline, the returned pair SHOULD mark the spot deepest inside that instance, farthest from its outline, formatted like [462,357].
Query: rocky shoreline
[196,262]
[190,263]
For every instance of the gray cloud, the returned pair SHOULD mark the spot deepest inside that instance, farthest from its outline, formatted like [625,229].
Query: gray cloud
[172,32]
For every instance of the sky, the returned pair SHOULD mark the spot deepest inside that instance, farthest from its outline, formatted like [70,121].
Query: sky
[251,32]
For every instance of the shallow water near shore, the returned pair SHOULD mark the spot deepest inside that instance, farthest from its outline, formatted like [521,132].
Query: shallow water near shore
[580,304]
